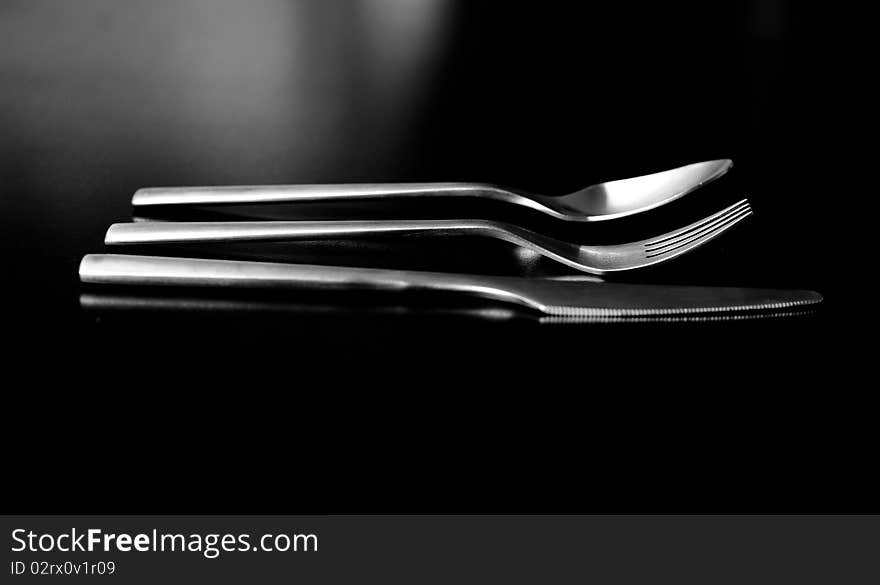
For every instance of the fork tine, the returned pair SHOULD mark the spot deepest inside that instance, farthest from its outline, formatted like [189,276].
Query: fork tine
[685,236]
[697,225]
[699,239]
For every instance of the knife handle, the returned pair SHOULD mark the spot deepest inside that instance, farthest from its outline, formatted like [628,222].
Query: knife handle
[123,269]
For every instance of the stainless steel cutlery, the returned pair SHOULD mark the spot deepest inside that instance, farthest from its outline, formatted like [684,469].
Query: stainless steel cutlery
[557,299]
[603,201]
[596,259]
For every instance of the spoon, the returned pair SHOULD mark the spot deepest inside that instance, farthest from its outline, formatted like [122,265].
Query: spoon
[599,202]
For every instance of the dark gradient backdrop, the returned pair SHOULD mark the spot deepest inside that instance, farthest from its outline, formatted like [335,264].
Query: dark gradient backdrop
[334,406]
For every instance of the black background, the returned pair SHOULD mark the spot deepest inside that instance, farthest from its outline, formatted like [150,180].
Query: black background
[392,405]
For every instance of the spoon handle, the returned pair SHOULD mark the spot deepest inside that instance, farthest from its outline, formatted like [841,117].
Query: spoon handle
[257,194]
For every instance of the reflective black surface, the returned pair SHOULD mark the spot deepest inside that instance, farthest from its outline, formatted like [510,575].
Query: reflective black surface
[142,401]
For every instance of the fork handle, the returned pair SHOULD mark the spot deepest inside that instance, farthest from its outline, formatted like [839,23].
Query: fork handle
[230,231]
[269,194]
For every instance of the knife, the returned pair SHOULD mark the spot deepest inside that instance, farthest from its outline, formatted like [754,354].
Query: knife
[561,299]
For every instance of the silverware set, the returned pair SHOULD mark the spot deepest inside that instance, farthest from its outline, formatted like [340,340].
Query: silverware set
[574,299]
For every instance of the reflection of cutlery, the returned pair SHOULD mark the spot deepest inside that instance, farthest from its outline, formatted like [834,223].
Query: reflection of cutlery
[119,303]
[592,259]
[126,303]
[594,203]
[554,298]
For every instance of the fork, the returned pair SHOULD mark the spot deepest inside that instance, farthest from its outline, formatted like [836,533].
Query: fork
[603,201]
[591,259]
